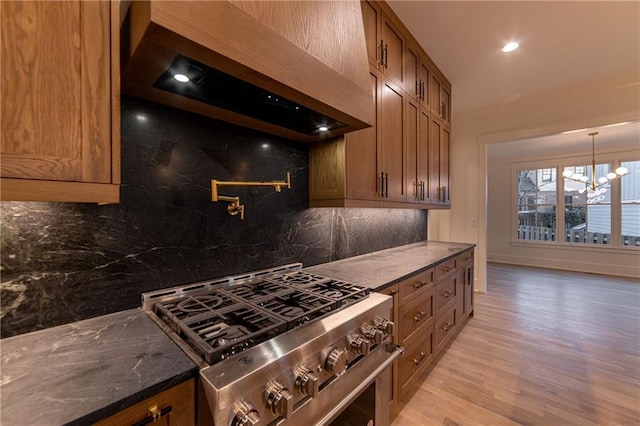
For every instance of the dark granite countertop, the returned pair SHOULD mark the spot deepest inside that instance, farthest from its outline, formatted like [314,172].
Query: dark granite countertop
[82,372]
[380,269]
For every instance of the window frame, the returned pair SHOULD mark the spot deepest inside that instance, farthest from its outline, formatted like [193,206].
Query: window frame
[613,159]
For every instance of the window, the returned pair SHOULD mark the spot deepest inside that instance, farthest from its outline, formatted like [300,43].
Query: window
[536,205]
[559,210]
[630,204]
[587,219]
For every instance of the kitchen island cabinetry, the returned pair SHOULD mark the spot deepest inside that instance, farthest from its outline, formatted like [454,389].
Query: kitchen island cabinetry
[60,101]
[174,406]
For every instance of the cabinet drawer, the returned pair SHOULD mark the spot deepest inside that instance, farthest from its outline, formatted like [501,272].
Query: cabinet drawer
[446,325]
[465,258]
[446,291]
[416,313]
[418,355]
[446,268]
[418,283]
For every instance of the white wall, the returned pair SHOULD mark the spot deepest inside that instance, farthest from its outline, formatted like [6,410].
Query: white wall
[596,104]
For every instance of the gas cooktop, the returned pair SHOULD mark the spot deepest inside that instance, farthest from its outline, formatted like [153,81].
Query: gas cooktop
[221,318]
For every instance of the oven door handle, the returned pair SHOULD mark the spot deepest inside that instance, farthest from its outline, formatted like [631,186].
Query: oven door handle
[399,350]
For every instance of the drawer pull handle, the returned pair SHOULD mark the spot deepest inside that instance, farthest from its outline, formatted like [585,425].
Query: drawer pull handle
[423,356]
[420,284]
[467,258]
[447,294]
[447,268]
[154,415]
[447,327]
[420,316]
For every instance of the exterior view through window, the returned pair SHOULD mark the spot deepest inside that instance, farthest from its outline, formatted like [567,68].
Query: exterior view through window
[560,210]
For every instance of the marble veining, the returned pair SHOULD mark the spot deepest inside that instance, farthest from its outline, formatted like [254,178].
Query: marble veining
[82,372]
[64,262]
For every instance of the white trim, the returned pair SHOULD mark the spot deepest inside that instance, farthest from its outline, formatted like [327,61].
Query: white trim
[569,265]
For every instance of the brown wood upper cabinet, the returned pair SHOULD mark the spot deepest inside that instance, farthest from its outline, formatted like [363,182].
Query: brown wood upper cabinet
[364,168]
[385,40]
[404,160]
[60,101]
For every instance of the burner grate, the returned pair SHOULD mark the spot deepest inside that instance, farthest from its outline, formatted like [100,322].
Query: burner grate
[297,307]
[229,331]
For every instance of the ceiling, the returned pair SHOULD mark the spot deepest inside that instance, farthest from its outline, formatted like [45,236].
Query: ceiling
[562,45]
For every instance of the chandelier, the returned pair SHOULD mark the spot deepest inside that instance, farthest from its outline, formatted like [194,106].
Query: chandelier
[592,185]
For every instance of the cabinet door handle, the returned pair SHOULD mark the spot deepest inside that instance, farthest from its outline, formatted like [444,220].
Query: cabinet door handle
[420,316]
[422,190]
[447,294]
[422,89]
[447,268]
[444,110]
[443,193]
[386,185]
[381,53]
[423,356]
[381,191]
[447,327]
[386,62]
[418,89]
[419,284]
[154,415]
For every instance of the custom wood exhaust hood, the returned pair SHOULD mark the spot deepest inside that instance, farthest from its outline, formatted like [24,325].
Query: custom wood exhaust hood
[297,69]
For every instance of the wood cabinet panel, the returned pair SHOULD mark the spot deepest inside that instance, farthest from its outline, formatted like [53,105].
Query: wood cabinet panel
[416,313]
[445,268]
[413,183]
[392,50]
[424,153]
[417,284]
[434,160]
[446,327]
[445,176]
[371,17]
[411,72]
[446,292]
[393,392]
[180,399]
[392,142]
[417,357]
[58,111]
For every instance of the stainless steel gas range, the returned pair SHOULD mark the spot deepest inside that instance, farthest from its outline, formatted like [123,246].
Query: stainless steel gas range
[283,346]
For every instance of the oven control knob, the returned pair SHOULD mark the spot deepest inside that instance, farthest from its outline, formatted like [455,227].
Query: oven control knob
[336,363]
[245,414]
[372,333]
[306,382]
[384,324]
[279,399]
[358,343]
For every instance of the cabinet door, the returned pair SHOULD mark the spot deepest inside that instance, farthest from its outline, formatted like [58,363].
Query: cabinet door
[445,179]
[56,119]
[468,289]
[424,77]
[392,51]
[414,187]
[424,122]
[436,93]
[393,291]
[391,126]
[371,18]
[434,161]
[411,72]
[176,406]
[362,154]
[445,98]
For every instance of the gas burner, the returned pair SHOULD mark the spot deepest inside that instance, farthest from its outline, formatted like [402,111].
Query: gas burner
[290,311]
[332,294]
[199,303]
[256,290]
[301,278]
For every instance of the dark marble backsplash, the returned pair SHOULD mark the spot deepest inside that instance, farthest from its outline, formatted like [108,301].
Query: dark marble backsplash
[62,262]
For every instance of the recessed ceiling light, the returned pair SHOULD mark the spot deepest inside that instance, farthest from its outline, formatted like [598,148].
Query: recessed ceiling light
[323,128]
[510,47]
[181,78]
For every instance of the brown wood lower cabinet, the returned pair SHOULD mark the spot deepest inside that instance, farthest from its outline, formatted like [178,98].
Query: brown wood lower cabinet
[175,406]
[429,309]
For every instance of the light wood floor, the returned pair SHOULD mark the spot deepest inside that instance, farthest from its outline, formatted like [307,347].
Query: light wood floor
[545,347]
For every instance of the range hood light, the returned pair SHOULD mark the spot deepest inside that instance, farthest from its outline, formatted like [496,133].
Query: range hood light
[510,47]
[181,78]
[323,128]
